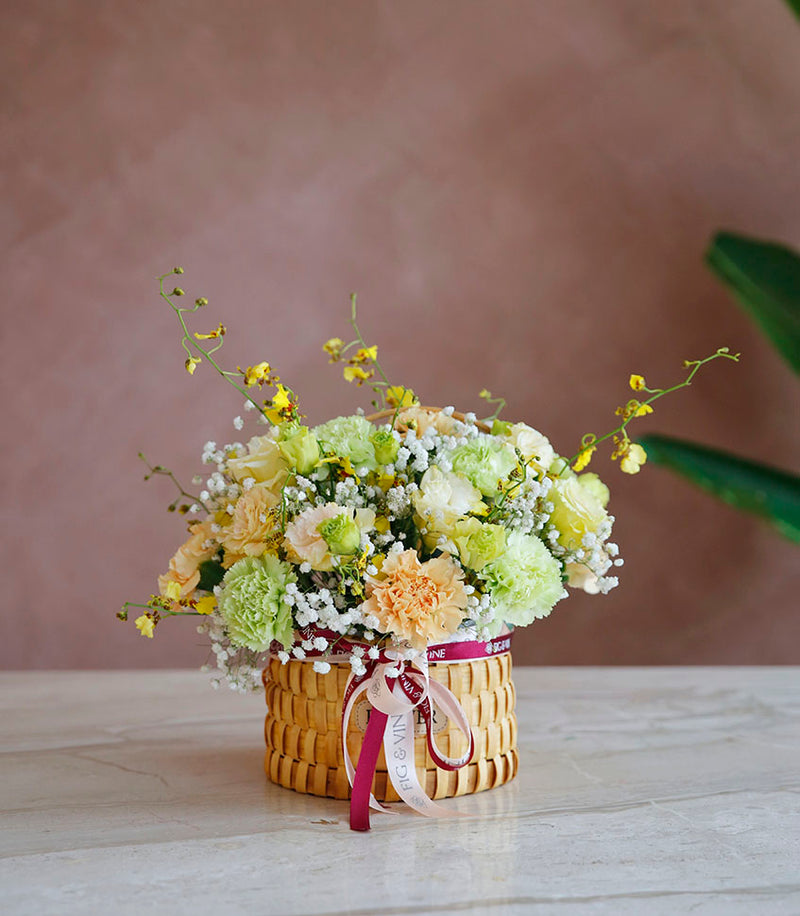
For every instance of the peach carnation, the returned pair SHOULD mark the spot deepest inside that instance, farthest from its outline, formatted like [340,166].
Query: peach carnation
[184,566]
[251,525]
[421,603]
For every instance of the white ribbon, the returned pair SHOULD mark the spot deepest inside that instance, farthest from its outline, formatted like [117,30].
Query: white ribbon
[398,737]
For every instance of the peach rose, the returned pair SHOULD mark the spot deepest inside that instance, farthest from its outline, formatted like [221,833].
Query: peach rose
[183,567]
[305,544]
[423,420]
[580,576]
[420,603]
[251,525]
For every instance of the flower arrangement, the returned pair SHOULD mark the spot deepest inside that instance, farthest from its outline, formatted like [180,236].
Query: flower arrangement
[412,527]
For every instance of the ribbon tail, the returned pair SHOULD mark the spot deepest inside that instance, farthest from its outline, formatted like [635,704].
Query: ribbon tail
[398,743]
[365,770]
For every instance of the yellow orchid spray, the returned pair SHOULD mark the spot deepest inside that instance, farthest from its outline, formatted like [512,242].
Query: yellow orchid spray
[631,455]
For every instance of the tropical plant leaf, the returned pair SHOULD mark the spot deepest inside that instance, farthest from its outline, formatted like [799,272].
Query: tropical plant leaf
[211,574]
[765,278]
[758,488]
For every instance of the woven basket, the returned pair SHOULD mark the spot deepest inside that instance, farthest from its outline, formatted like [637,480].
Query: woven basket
[303,730]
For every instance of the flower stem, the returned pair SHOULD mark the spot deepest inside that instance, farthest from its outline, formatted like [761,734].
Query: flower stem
[590,440]
[188,342]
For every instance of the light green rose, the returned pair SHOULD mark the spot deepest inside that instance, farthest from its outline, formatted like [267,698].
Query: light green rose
[578,508]
[524,582]
[478,543]
[251,602]
[300,448]
[264,462]
[441,500]
[341,533]
[596,487]
[349,437]
[484,462]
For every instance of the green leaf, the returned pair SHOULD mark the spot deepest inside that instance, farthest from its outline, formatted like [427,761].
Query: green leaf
[765,278]
[211,574]
[794,5]
[766,491]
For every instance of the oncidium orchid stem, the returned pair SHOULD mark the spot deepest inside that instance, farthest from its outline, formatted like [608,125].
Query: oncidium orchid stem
[189,342]
[592,441]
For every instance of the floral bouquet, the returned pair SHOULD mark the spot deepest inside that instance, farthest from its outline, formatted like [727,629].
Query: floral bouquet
[366,548]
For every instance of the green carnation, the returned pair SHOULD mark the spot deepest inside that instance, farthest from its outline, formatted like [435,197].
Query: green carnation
[484,462]
[524,583]
[251,602]
[349,437]
[300,449]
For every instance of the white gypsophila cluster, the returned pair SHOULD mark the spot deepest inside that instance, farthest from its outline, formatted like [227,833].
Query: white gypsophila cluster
[238,667]
[526,508]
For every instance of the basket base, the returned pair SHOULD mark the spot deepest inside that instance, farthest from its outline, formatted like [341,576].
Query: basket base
[302,730]
[331,782]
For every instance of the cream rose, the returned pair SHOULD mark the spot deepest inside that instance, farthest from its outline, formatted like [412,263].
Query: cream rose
[184,566]
[533,446]
[264,462]
[251,525]
[442,499]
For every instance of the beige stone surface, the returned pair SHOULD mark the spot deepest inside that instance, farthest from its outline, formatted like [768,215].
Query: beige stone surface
[652,790]
[520,192]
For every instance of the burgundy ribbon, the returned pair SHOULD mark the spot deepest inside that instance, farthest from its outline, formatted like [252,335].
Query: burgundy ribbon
[416,696]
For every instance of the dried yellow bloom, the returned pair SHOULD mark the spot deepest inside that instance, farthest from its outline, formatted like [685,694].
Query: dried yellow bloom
[365,355]
[333,348]
[206,605]
[584,457]
[257,375]
[145,625]
[219,331]
[633,459]
[356,374]
[191,364]
[400,396]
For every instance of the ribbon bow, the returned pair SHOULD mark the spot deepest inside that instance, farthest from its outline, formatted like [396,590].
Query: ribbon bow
[395,689]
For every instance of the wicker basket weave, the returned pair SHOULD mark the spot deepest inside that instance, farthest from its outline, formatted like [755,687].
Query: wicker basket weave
[303,730]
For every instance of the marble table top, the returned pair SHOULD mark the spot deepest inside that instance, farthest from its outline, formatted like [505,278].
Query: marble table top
[641,790]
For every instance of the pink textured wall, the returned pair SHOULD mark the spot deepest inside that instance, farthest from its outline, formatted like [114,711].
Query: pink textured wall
[519,192]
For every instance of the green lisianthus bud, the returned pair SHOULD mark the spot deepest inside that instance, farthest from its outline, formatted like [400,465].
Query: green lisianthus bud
[341,534]
[385,445]
[300,448]
[477,543]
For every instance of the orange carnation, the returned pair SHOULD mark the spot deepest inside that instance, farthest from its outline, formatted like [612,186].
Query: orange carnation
[421,603]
